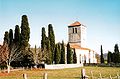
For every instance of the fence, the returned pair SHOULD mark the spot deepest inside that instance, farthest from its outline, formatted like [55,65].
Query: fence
[84,76]
[101,77]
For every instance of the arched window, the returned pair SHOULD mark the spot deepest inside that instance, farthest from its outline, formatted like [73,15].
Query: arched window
[75,30]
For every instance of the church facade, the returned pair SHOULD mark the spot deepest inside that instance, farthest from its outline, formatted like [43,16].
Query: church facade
[77,41]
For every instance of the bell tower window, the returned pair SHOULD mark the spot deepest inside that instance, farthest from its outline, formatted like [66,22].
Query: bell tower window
[75,30]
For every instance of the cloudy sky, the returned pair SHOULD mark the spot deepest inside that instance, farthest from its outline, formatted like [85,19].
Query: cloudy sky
[102,18]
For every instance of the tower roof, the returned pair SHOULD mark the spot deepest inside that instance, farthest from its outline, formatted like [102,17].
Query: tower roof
[75,24]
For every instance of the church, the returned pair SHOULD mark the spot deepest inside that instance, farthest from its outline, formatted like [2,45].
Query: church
[77,41]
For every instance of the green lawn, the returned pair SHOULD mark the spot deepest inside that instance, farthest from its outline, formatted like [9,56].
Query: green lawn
[73,73]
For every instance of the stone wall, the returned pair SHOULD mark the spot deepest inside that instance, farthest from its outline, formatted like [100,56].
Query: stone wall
[62,66]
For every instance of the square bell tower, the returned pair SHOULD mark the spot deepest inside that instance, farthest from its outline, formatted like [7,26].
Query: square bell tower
[77,34]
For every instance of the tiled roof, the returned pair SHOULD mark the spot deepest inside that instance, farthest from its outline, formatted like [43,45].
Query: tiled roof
[78,47]
[75,24]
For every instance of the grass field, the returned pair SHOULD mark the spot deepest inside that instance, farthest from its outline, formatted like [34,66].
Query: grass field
[73,73]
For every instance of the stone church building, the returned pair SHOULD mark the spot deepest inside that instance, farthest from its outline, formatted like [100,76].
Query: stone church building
[77,41]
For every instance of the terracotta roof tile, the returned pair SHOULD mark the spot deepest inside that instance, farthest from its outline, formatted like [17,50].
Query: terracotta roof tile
[78,47]
[75,24]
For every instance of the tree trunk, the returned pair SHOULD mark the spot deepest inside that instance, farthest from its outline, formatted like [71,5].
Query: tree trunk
[8,68]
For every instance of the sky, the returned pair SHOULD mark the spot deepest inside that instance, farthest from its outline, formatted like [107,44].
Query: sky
[102,18]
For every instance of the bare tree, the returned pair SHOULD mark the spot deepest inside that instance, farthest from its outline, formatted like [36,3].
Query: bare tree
[9,55]
[15,54]
[43,56]
[3,53]
[35,55]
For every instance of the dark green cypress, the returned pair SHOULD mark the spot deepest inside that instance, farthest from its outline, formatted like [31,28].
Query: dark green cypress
[25,31]
[48,52]
[69,54]
[10,37]
[17,35]
[109,57]
[10,43]
[43,40]
[74,57]
[35,55]
[62,53]
[51,38]
[113,57]
[25,35]
[6,37]
[117,54]
[102,59]
[57,54]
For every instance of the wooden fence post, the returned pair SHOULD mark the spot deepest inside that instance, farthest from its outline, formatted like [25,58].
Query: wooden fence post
[91,75]
[83,75]
[110,77]
[117,76]
[100,76]
[45,76]
[24,76]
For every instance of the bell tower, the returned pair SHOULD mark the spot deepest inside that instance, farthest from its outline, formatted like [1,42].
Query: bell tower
[77,34]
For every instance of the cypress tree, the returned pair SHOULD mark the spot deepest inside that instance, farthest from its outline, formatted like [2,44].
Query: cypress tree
[25,32]
[109,57]
[69,55]
[113,57]
[35,55]
[51,38]
[25,35]
[57,54]
[10,37]
[17,35]
[43,41]
[74,57]
[117,54]
[101,58]
[49,54]
[10,43]
[62,53]
[6,37]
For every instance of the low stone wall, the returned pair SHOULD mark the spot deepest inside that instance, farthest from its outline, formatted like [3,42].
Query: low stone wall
[62,66]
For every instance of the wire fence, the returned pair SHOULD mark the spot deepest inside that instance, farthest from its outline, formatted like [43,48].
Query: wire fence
[84,76]
[102,77]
